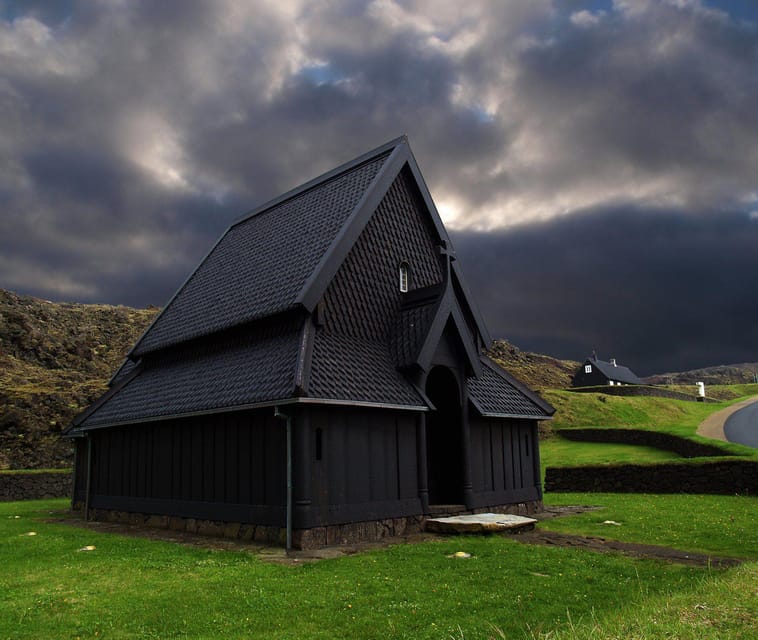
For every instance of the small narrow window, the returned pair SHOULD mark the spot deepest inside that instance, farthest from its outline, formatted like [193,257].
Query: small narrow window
[526,444]
[587,368]
[403,277]
[319,443]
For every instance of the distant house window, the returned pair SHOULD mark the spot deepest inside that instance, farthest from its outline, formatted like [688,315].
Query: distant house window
[587,368]
[403,277]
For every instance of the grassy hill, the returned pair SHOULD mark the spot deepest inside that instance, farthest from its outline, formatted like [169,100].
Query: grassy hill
[54,360]
[677,418]
[533,369]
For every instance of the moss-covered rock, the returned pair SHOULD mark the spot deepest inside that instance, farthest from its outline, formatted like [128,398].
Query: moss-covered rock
[54,360]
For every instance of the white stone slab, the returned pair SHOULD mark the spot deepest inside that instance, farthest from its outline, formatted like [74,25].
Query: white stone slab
[479,523]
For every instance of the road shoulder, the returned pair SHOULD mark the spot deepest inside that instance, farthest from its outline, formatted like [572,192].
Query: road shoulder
[713,425]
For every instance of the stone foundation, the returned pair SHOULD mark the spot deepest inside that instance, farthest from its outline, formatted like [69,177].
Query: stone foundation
[355,532]
[327,536]
[211,528]
[519,509]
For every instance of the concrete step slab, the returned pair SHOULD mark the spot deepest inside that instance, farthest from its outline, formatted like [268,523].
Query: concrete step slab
[480,523]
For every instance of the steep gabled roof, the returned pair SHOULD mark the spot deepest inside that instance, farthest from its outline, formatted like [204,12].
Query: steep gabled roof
[285,253]
[239,332]
[264,262]
[615,372]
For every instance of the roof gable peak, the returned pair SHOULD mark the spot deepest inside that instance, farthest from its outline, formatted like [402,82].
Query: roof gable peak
[448,311]
[320,180]
[401,157]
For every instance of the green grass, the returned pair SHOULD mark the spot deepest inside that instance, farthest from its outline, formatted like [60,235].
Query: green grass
[677,417]
[716,525]
[137,588]
[557,451]
[721,607]
[601,410]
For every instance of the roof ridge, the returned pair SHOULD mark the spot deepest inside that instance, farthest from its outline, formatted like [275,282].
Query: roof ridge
[322,179]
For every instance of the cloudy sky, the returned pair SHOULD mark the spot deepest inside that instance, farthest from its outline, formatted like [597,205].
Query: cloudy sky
[595,162]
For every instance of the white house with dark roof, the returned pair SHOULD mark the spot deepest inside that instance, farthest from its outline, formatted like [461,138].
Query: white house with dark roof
[321,372]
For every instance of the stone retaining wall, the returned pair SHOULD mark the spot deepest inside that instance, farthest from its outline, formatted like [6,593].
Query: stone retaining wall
[682,446]
[343,534]
[641,390]
[714,477]
[34,486]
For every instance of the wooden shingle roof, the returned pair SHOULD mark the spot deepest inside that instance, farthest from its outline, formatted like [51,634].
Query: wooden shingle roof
[233,371]
[261,264]
[240,332]
[497,394]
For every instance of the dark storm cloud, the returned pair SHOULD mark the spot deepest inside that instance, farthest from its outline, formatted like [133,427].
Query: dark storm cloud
[134,133]
[659,290]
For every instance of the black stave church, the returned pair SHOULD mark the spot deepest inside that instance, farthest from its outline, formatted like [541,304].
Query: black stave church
[320,376]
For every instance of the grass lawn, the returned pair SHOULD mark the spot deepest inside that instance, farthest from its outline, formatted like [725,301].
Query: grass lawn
[136,588]
[677,417]
[717,525]
[557,452]
[723,606]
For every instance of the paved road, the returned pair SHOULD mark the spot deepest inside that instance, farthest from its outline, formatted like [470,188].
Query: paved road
[742,426]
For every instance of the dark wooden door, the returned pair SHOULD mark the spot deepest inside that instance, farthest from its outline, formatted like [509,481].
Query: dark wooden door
[444,452]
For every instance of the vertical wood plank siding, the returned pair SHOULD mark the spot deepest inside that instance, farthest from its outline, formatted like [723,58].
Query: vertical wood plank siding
[503,465]
[368,468]
[224,467]
[231,467]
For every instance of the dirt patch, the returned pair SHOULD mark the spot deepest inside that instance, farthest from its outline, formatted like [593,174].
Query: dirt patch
[265,552]
[557,512]
[649,551]
[278,555]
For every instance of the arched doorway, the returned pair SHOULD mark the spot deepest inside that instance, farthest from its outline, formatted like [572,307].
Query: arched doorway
[444,456]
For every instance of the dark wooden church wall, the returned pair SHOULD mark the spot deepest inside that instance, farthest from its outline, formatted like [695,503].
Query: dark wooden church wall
[80,469]
[223,467]
[503,461]
[368,465]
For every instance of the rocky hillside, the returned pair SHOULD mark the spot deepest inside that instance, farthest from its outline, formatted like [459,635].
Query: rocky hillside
[534,369]
[723,374]
[54,360]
